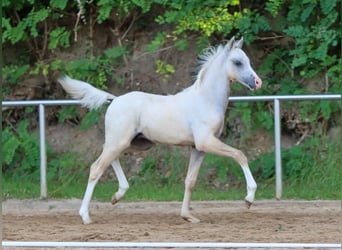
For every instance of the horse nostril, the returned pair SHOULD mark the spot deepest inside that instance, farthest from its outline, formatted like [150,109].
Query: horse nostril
[258,82]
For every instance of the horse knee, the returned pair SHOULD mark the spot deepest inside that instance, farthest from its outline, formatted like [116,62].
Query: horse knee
[94,172]
[241,158]
[97,169]
[102,163]
[93,176]
[190,184]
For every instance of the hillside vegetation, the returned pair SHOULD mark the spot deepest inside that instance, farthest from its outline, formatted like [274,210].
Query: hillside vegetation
[152,45]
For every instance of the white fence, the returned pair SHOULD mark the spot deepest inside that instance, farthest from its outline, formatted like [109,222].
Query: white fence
[277,128]
[168,245]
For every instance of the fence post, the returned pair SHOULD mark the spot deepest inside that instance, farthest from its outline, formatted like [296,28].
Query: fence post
[42,141]
[277,149]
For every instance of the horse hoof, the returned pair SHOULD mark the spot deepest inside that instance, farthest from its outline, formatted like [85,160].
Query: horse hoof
[191,219]
[248,204]
[87,222]
[114,200]
[86,219]
[84,214]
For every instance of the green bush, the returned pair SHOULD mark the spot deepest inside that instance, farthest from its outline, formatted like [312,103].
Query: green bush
[21,152]
[304,163]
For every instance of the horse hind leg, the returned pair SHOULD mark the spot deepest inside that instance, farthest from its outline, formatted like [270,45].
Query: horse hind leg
[123,183]
[96,171]
[139,142]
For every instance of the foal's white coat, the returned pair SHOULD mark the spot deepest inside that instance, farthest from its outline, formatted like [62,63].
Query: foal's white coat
[193,117]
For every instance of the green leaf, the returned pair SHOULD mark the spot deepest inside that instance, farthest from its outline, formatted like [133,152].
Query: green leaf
[115,52]
[60,4]
[262,23]
[105,9]
[182,44]
[6,29]
[244,23]
[325,108]
[17,33]
[35,17]
[169,68]
[299,61]
[295,31]
[143,4]
[89,120]
[321,52]
[66,112]
[22,129]
[9,146]
[12,73]
[157,42]
[273,6]
[327,5]
[306,12]
[59,37]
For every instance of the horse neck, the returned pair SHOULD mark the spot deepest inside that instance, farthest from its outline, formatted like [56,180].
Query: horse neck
[215,84]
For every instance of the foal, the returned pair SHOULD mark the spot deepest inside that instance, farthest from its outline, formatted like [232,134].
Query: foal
[193,117]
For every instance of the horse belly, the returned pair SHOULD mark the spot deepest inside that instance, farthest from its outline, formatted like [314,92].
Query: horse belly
[167,127]
[161,119]
[172,139]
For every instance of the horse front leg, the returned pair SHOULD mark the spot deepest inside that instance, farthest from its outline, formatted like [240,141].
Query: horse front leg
[215,146]
[123,183]
[196,159]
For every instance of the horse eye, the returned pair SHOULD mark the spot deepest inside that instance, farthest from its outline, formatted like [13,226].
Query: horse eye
[237,63]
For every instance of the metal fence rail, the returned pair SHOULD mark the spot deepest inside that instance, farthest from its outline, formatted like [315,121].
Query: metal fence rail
[205,245]
[277,129]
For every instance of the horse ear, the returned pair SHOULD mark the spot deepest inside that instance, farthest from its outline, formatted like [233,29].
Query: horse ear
[239,43]
[230,44]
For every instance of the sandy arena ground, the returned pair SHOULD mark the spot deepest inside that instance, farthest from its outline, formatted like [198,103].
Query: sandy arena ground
[221,221]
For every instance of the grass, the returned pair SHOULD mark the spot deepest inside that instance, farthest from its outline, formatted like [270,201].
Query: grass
[105,189]
[152,191]
[309,173]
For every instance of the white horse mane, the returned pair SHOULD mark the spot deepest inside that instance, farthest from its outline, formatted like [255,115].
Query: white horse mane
[205,59]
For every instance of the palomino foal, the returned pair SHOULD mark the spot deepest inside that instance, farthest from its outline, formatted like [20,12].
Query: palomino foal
[193,117]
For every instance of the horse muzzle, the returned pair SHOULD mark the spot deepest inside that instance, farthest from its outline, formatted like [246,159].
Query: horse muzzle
[258,83]
[252,83]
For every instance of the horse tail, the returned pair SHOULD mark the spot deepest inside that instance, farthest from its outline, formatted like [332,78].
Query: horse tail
[89,96]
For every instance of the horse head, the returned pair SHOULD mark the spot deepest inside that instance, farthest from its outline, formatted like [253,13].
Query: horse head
[239,67]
